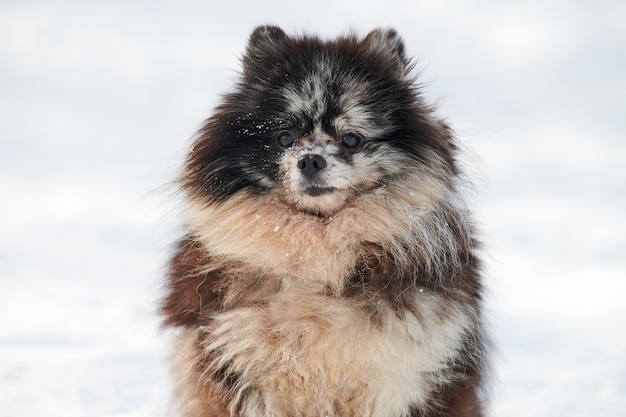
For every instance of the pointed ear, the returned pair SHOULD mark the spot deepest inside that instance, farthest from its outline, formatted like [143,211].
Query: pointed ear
[264,38]
[388,44]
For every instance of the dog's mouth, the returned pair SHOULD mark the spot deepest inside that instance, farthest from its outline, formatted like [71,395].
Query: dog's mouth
[318,191]
[320,201]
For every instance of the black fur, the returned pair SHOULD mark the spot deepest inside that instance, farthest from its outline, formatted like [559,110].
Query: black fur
[237,146]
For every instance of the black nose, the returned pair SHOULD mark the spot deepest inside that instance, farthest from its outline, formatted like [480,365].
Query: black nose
[311,164]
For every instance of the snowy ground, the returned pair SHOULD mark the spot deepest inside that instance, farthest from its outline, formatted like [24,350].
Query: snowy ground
[98,102]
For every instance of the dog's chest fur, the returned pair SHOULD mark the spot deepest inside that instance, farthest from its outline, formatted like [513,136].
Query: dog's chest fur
[307,353]
[349,336]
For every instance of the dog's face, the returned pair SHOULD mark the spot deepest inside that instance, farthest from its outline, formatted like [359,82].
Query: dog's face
[317,124]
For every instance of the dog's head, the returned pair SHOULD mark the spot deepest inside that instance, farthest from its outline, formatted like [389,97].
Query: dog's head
[319,124]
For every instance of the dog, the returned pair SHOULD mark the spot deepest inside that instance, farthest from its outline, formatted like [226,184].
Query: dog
[330,266]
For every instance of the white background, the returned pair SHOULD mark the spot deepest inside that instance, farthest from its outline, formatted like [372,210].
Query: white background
[99,100]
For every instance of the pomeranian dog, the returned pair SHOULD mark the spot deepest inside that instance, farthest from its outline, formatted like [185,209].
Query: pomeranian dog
[329,267]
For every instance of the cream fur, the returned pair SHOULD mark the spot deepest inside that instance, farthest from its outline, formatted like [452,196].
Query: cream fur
[305,348]
[266,232]
[302,352]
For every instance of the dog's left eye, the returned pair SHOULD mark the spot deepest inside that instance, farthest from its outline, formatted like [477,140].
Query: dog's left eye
[350,141]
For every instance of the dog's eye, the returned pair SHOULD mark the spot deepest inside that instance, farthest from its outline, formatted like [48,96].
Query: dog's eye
[285,139]
[350,141]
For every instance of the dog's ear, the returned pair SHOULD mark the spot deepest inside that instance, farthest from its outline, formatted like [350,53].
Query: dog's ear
[262,41]
[386,43]
[265,36]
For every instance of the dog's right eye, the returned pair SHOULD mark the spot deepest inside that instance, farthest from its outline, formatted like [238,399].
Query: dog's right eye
[285,140]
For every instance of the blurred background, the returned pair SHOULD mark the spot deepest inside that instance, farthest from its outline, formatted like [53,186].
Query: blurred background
[99,100]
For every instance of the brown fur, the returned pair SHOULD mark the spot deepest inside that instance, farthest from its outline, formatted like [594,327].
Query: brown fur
[380,282]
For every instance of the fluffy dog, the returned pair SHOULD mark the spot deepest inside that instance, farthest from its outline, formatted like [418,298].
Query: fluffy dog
[329,266]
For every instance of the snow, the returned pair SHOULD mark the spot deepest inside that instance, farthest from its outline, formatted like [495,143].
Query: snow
[99,102]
